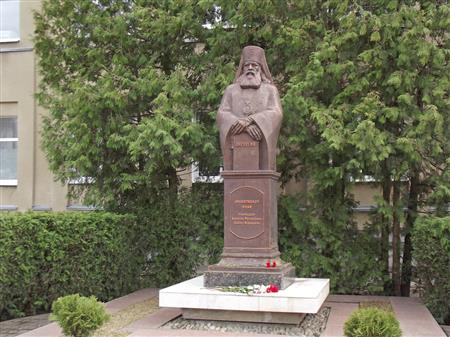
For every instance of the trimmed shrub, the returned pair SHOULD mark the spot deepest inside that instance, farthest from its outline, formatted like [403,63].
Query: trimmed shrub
[372,322]
[78,316]
[431,242]
[182,235]
[337,251]
[47,255]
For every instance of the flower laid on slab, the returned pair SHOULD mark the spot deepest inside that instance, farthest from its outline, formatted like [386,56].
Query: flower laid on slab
[272,288]
[251,290]
[272,264]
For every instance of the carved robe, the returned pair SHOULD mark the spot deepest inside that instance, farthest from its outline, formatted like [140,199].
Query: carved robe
[263,106]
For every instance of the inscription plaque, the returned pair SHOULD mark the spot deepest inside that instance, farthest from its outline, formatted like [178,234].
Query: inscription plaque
[246,212]
[245,152]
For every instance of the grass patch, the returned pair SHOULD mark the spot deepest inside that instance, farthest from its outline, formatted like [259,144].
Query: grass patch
[383,305]
[125,317]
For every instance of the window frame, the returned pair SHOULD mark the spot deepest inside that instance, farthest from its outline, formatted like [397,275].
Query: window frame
[197,178]
[11,182]
[15,38]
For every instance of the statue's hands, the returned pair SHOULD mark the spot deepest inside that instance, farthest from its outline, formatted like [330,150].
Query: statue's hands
[254,131]
[240,125]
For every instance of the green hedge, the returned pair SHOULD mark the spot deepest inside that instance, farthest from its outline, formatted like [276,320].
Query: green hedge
[431,240]
[336,251]
[182,235]
[47,255]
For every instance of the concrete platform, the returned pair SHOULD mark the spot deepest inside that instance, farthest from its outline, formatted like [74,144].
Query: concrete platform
[244,316]
[303,296]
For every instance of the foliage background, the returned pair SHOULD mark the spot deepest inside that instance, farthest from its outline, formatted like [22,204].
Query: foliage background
[48,255]
[319,250]
[132,89]
[431,240]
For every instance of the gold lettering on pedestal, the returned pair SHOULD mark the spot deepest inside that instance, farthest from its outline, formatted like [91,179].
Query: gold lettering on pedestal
[246,218]
[248,201]
[245,144]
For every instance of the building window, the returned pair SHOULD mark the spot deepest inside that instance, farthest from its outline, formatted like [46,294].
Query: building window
[9,21]
[8,151]
[201,174]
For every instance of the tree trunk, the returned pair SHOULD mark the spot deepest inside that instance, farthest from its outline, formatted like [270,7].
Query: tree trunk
[385,225]
[172,178]
[411,215]
[396,276]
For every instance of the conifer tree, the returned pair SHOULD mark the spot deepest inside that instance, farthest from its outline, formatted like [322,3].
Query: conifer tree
[375,96]
[132,89]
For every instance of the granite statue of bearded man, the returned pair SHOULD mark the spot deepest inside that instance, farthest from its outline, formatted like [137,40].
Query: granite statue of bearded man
[251,105]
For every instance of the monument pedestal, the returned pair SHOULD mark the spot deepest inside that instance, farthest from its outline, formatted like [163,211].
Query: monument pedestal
[286,306]
[229,276]
[251,233]
[244,316]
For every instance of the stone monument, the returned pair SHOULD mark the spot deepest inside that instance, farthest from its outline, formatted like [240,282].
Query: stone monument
[249,120]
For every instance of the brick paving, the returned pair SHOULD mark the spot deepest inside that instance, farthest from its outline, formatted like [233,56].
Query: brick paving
[53,330]
[338,315]
[415,319]
[18,326]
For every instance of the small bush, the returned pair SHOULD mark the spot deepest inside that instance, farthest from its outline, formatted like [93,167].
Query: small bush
[431,241]
[372,322]
[78,316]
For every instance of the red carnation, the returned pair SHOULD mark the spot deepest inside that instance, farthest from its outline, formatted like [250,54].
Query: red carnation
[272,288]
[268,264]
[274,264]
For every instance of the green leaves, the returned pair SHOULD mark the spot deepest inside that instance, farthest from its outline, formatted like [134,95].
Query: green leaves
[431,238]
[120,101]
[320,240]
[364,101]
[79,316]
[375,36]
[372,322]
[48,255]
[132,90]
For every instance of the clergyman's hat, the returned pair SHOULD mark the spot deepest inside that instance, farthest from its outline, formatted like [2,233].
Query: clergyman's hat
[254,54]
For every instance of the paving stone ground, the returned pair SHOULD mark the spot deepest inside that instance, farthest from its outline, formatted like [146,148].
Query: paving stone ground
[18,326]
[415,319]
[446,329]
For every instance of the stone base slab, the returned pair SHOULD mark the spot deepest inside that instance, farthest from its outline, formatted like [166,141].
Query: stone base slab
[303,296]
[221,276]
[244,316]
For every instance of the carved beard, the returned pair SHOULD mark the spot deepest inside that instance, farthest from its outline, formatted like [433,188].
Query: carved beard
[250,80]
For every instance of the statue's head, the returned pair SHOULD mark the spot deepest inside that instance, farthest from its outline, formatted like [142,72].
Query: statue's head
[253,68]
